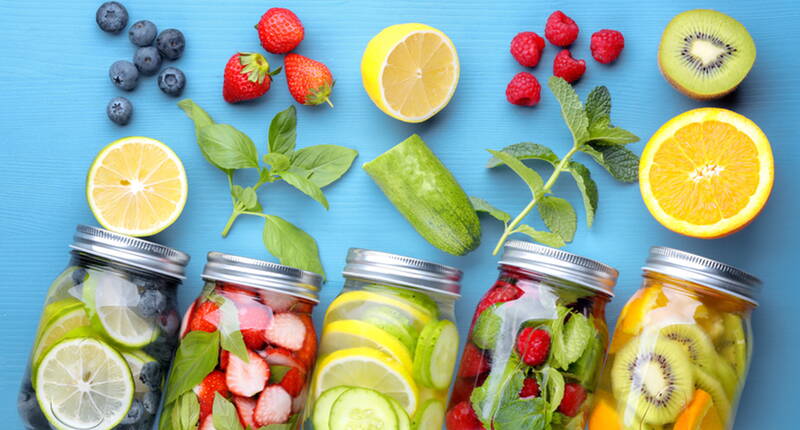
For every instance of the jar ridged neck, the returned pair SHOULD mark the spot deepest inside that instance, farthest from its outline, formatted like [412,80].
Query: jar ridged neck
[375,266]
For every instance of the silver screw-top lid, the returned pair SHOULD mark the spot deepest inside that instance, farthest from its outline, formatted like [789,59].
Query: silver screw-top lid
[376,266]
[131,251]
[262,274]
[560,264]
[703,271]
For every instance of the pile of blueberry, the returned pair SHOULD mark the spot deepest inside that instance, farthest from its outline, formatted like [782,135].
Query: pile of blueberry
[152,49]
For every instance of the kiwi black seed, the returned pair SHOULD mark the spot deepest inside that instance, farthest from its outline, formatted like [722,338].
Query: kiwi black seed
[694,341]
[705,54]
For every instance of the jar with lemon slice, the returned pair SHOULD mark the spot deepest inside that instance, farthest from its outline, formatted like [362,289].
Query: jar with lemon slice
[106,336]
[388,346]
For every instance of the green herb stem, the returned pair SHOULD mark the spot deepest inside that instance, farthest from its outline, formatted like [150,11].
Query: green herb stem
[235,214]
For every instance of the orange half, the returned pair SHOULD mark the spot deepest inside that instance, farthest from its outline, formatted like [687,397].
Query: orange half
[706,173]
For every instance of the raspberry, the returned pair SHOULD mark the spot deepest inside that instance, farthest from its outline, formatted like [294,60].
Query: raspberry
[606,45]
[501,292]
[564,66]
[560,29]
[530,388]
[526,47]
[473,362]
[523,90]
[462,417]
[533,345]
[574,395]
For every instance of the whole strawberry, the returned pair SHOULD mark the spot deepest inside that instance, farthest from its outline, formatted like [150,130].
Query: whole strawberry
[247,76]
[280,30]
[310,81]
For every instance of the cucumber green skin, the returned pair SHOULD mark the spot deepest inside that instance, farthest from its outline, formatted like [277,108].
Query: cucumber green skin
[403,421]
[427,195]
[322,407]
[361,398]
[422,420]
[425,360]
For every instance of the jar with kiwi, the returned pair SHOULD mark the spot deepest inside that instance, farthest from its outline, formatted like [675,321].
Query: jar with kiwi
[681,349]
[537,342]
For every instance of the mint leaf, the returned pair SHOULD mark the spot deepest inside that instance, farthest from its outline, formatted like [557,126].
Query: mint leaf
[200,117]
[559,216]
[543,237]
[306,186]
[224,415]
[526,414]
[277,372]
[598,112]
[527,174]
[482,205]
[487,398]
[247,197]
[283,131]
[196,357]
[588,188]
[231,338]
[571,109]
[558,353]
[487,327]
[324,163]
[586,368]
[226,147]
[598,105]
[526,151]
[291,245]
[188,410]
[277,162]
[612,136]
[552,387]
[577,333]
[619,161]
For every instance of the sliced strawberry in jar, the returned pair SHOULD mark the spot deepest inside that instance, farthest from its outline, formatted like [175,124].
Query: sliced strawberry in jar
[242,295]
[473,363]
[224,357]
[246,407]
[185,321]
[205,317]
[247,379]
[299,402]
[274,406]
[307,353]
[287,330]
[214,382]
[207,423]
[252,321]
[281,357]
[293,381]
[279,302]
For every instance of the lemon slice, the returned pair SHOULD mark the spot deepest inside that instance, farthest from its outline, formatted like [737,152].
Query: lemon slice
[83,383]
[345,334]
[354,304]
[59,325]
[367,368]
[136,186]
[410,71]
[112,305]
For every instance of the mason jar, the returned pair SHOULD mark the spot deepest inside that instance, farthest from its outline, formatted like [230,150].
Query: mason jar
[247,348]
[106,335]
[536,344]
[681,347]
[389,345]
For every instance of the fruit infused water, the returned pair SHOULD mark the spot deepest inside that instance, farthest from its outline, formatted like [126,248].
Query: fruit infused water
[388,346]
[536,344]
[247,348]
[681,349]
[106,336]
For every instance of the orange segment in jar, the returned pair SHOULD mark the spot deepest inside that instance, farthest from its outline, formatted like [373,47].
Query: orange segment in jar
[604,416]
[693,416]
[633,315]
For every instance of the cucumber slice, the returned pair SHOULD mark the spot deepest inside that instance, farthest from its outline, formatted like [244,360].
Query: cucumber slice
[403,421]
[430,416]
[359,408]
[395,323]
[418,299]
[435,356]
[322,406]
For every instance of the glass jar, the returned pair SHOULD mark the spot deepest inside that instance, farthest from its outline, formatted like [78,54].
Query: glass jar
[536,344]
[681,347]
[247,348]
[388,346]
[106,336]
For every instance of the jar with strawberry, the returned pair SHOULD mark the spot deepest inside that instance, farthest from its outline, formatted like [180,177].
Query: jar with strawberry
[536,344]
[247,348]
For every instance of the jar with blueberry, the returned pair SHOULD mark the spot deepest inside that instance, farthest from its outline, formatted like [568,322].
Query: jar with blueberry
[106,336]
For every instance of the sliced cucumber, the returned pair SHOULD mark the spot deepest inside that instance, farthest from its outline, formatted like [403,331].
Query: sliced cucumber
[395,323]
[435,356]
[418,299]
[430,416]
[362,408]
[322,406]
[403,421]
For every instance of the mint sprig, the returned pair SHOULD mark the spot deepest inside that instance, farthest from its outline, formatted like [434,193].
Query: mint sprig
[307,169]
[592,134]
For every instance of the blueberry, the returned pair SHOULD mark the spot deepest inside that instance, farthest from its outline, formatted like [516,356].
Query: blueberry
[171,81]
[111,17]
[135,413]
[150,375]
[151,303]
[169,322]
[171,43]
[119,111]
[147,60]
[142,33]
[161,349]
[150,401]
[124,75]
[79,275]
[28,408]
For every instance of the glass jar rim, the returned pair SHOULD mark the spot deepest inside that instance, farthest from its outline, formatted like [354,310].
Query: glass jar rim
[376,266]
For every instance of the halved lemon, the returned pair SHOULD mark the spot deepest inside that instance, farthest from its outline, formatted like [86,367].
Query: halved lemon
[410,71]
[136,186]
[344,334]
[706,173]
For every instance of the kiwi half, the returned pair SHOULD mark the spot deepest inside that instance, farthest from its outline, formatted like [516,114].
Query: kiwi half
[694,341]
[705,54]
[656,379]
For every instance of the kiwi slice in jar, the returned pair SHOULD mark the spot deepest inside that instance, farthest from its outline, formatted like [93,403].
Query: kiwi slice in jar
[694,341]
[732,345]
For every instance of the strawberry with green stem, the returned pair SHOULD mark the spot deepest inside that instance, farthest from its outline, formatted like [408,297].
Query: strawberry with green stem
[247,76]
[310,81]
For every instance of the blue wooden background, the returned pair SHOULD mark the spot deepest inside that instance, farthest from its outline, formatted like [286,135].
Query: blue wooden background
[54,89]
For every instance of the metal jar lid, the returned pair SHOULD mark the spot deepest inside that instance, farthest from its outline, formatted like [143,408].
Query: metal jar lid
[262,274]
[131,251]
[376,266]
[560,264]
[703,271]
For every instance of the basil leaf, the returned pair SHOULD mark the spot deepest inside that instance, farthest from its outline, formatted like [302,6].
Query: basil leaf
[226,147]
[291,424]
[306,186]
[247,197]
[619,161]
[189,410]
[571,109]
[527,174]
[291,245]
[166,420]
[277,372]
[231,338]
[196,357]
[559,216]
[324,163]
[526,414]
[224,415]
[525,151]
[543,237]
[277,161]
[588,189]
[200,117]
[283,131]
[598,105]
[482,205]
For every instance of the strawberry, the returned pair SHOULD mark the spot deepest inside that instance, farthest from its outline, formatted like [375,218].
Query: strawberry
[205,317]
[473,362]
[224,357]
[273,407]
[207,424]
[245,407]
[533,345]
[299,402]
[185,321]
[287,330]
[462,417]
[247,76]
[293,381]
[240,295]
[281,357]
[246,378]
[252,320]
[530,388]
[213,383]
[574,395]
[277,301]
[310,81]
[307,353]
[280,30]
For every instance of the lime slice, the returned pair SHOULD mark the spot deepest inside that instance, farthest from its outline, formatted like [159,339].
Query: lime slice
[345,334]
[112,305]
[61,322]
[354,304]
[83,383]
[367,368]
[136,360]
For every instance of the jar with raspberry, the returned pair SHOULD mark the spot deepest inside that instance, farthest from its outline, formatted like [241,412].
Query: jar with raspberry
[536,344]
